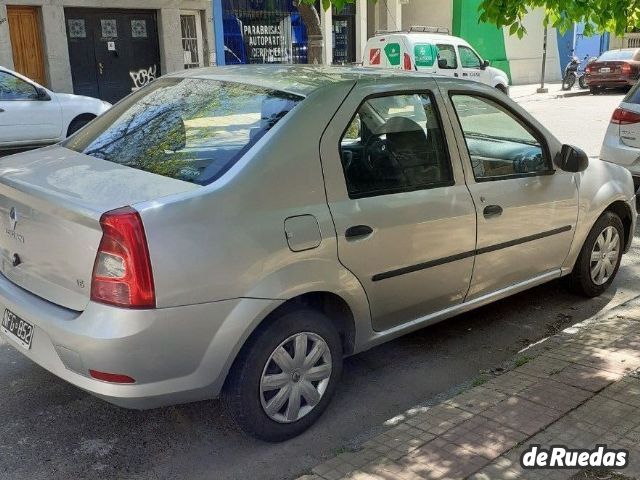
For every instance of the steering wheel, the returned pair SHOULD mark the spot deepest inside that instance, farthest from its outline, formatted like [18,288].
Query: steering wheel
[377,148]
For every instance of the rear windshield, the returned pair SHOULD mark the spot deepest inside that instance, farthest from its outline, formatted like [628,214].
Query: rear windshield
[634,95]
[189,129]
[617,55]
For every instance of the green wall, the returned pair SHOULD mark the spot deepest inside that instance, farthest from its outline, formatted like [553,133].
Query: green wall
[487,39]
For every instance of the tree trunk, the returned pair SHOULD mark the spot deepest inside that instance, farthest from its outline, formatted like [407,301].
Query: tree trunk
[311,21]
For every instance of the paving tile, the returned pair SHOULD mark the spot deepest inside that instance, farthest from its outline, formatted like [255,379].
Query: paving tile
[441,418]
[543,366]
[626,391]
[522,415]
[552,394]
[586,378]
[442,459]
[484,437]
[510,383]
[477,399]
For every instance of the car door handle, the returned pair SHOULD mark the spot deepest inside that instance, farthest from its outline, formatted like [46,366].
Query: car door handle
[1,110]
[358,231]
[491,211]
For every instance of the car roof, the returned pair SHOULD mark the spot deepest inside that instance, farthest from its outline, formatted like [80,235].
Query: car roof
[297,79]
[421,37]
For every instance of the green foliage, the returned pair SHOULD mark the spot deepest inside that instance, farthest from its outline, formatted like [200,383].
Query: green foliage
[522,360]
[617,16]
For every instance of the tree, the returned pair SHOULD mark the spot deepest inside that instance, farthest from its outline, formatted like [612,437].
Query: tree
[311,20]
[616,16]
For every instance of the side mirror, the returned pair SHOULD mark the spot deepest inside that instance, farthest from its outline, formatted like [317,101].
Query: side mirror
[572,159]
[484,64]
[442,63]
[42,95]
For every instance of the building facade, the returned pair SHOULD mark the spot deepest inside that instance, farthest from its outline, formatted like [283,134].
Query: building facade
[104,49]
[521,58]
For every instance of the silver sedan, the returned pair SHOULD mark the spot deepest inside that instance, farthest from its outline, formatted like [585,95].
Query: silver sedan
[239,231]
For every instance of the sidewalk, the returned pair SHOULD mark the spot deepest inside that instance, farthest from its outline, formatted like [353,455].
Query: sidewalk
[582,389]
[529,92]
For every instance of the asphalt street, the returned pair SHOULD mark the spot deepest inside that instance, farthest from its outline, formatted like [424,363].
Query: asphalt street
[51,430]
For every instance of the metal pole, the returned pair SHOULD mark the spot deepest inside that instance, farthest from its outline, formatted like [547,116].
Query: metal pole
[542,88]
[218,32]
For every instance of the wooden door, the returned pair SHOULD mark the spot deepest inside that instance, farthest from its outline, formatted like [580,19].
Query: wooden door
[26,43]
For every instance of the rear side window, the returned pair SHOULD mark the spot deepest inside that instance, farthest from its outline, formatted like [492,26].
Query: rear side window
[188,129]
[395,144]
[447,57]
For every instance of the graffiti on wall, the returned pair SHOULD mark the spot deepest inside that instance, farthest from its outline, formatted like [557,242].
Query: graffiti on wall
[142,77]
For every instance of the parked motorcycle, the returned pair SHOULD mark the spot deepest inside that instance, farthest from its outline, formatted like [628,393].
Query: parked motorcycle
[573,72]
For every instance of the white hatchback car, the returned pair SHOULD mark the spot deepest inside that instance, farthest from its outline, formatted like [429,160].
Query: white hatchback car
[33,116]
[622,141]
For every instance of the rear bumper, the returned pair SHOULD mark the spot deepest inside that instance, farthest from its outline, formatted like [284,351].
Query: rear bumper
[176,355]
[610,82]
[614,151]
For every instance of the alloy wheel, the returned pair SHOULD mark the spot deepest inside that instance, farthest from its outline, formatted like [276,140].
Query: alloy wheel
[295,377]
[604,255]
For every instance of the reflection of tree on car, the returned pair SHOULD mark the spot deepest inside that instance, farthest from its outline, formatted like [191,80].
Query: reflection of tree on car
[187,129]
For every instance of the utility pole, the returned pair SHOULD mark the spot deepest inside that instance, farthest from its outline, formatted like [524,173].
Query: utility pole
[542,88]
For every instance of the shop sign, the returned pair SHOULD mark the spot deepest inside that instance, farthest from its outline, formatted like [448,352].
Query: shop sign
[392,51]
[425,55]
[264,43]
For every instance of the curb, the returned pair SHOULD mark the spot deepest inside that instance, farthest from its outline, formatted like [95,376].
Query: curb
[578,93]
[479,433]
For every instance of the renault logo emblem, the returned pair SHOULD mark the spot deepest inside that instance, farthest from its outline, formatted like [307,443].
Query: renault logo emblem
[13,217]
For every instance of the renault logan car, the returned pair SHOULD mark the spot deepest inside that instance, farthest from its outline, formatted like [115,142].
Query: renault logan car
[239,231]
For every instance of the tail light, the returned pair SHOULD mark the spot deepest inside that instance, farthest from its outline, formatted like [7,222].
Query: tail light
[587,69]
[111,377]
[407,62]
[626,68]
[624,117]
[122,273]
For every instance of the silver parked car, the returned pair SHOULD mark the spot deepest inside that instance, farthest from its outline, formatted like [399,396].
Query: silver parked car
[238,231]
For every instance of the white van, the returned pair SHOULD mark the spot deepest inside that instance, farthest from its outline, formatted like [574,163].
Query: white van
[432,50]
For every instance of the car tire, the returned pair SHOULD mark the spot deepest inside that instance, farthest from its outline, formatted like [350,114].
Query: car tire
[256,409]
[582,81]
[597,264]
[77,123]
[568,81]
[595,90]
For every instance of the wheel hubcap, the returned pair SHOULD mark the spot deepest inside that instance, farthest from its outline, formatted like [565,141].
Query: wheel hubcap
[295,377]
[604,256]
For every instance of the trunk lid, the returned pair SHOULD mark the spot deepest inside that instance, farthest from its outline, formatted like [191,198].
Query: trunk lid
[51,201]
[605,69]
[630,132]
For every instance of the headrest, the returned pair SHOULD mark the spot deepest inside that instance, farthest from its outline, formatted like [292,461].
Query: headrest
[399,125]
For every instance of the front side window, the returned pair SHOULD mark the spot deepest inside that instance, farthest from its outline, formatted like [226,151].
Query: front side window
[468,58]
[500,145]
[189,129]
[447,57]
[14,88]
[393,144]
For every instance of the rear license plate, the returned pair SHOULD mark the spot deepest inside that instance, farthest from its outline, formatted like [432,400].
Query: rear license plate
[605,70]
[17,329]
